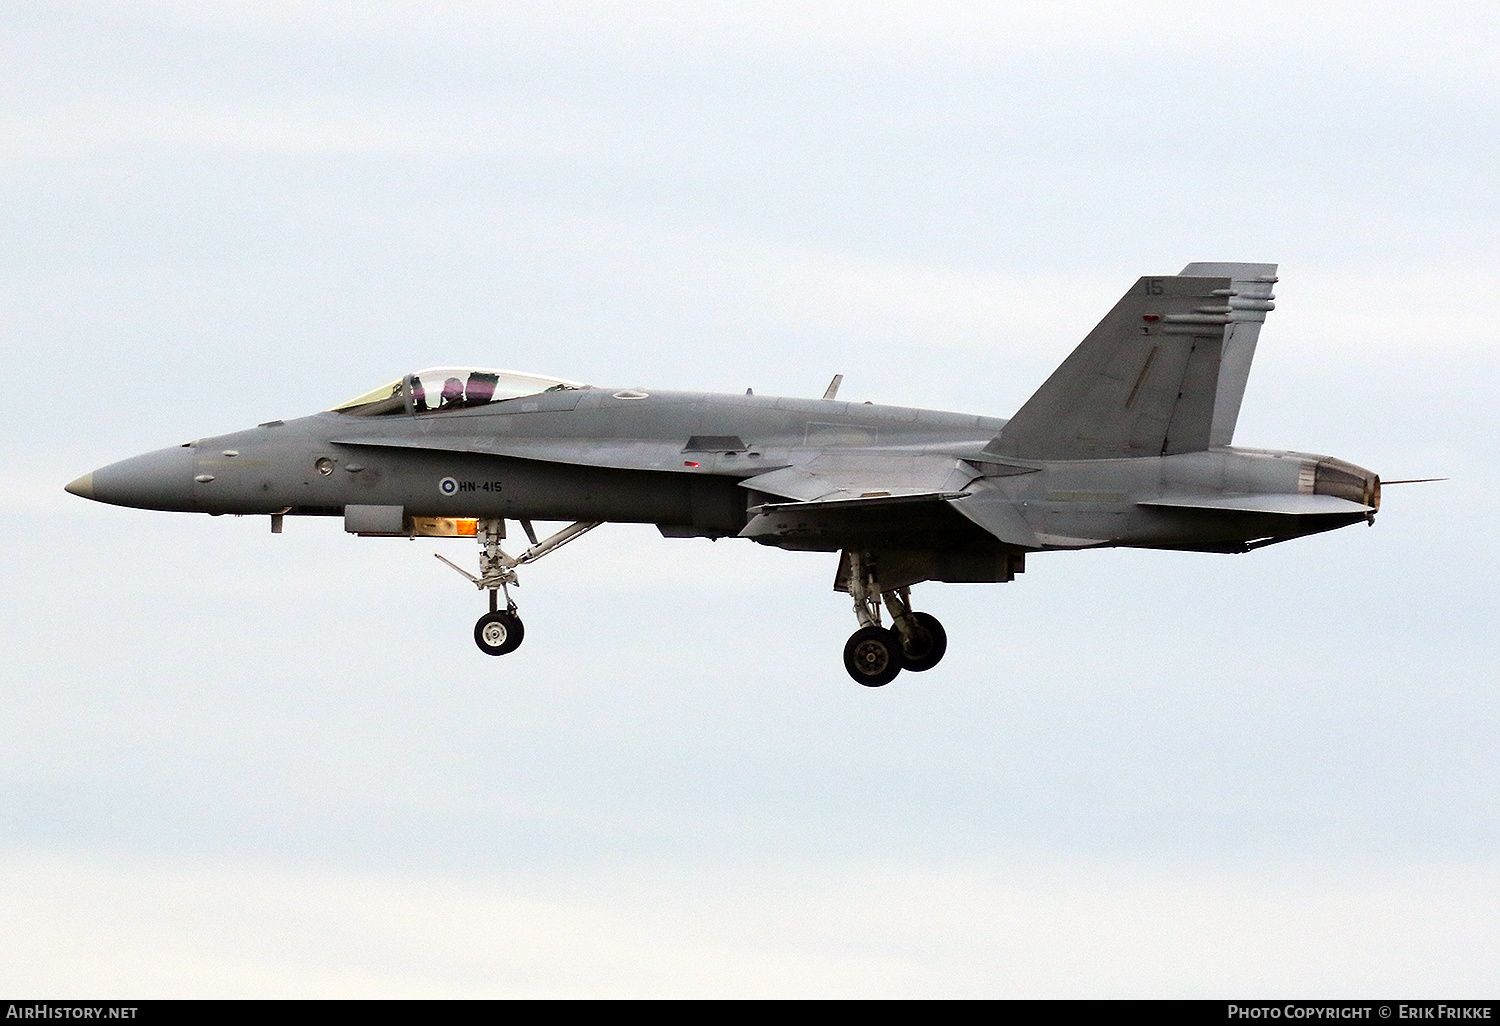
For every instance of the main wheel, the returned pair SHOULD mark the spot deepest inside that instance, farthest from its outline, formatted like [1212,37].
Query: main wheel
[931,643]
[499,633]
[872,655]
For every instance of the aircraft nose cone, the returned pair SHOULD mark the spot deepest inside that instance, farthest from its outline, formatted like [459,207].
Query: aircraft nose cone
[155,480]
[83,486]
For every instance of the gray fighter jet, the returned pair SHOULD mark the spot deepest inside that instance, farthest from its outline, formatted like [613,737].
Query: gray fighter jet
[1127,443]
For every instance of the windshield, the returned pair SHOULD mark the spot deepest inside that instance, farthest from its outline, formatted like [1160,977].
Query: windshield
[439,389]
[388,398]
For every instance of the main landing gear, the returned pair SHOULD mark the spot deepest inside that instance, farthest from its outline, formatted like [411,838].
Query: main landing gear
[500,630]
[874,654]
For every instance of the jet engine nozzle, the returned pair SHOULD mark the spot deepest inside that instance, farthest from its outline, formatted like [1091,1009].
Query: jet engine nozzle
[1347,481]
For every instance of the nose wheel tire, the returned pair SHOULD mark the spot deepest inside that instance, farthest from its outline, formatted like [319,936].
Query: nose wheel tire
[499,633]
[873,656]
[929,646]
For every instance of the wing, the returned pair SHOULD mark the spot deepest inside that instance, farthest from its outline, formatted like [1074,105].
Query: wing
[870,498]
[859,496]
[849,474]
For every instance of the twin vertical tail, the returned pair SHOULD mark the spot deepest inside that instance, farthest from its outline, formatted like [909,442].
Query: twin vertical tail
[1164,372]
[1253,299]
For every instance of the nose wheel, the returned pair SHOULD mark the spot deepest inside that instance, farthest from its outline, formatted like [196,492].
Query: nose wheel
[500,630]
[875,654]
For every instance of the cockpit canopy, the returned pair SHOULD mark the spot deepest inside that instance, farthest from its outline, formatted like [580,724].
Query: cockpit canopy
[439,389]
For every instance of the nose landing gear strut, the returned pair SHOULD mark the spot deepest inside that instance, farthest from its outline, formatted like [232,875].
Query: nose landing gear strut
[875,654]
[500,630]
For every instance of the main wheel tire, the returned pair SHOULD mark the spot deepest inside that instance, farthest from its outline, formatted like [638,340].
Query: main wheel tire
[932,652]
[872,655]
[499,633]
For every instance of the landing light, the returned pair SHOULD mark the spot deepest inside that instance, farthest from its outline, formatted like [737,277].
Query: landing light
[444,527]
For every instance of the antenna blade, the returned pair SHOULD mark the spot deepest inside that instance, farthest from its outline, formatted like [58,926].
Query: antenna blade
[833,386]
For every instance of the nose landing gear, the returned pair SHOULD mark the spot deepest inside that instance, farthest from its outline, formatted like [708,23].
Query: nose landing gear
[875,654]
[500,630]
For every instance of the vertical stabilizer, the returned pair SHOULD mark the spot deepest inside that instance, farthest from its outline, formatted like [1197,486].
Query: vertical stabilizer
[1143,383]
[1248,309]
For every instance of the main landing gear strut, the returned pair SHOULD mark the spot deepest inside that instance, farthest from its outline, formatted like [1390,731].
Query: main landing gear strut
[500,630]
[874,654]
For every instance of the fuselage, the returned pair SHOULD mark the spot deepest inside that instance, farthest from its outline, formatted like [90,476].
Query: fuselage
[685,460]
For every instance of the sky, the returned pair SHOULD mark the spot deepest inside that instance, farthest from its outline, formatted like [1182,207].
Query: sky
[235,764]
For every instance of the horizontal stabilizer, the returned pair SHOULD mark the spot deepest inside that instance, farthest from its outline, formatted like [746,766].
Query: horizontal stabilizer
[1287,505]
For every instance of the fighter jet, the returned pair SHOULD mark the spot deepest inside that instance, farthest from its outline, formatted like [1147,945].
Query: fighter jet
[1128,443]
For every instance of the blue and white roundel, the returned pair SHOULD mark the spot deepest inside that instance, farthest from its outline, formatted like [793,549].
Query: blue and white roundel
[448,486]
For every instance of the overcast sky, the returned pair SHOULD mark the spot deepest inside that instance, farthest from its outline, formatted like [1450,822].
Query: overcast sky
[240,764]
